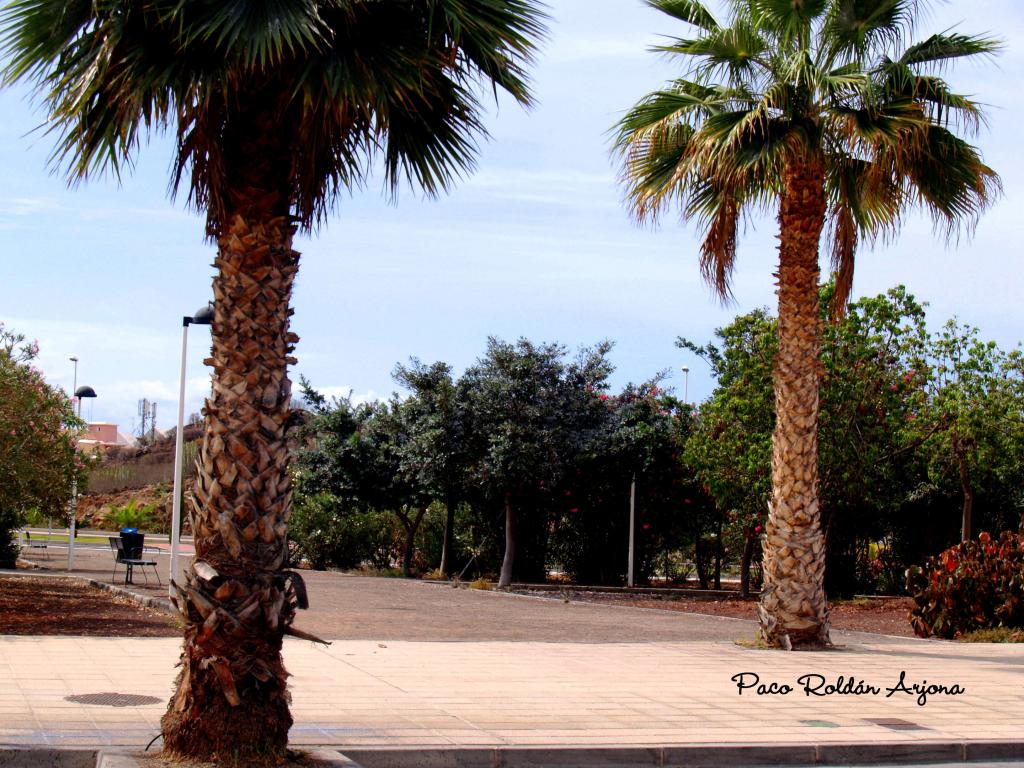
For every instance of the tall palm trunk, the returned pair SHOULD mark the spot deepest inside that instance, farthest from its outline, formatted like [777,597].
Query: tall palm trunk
[793,609]
[237,600]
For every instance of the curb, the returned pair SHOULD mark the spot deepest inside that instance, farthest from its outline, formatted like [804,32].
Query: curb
[695,756]
[156,603]
[46,757]
[114,758]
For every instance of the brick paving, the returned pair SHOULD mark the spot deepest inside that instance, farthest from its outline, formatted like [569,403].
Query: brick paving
[359,693]
[420,664]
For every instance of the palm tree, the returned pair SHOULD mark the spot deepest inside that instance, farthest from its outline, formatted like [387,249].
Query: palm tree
[277,107]
[820,109]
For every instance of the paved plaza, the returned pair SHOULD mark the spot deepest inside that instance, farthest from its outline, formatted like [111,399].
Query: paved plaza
[413,664]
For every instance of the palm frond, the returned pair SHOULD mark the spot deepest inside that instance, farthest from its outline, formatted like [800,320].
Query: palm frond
[690,11]
[684,101]
[939,50]
[790,20]
[856,28]
[259,34]
[327,81]
[735,51]
[950,179]
[656,169]
[942,106]
[718,249]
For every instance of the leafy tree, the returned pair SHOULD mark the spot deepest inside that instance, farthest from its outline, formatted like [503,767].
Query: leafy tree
[872,364]
[820,109]
[973,428]
[530,412]
[731,448]
[276,107]
[38,463]
[354,466]
[640,436]
[433,457]
[873,425]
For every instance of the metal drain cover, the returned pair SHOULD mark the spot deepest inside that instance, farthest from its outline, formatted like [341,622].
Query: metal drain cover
[896,724]
[113,699]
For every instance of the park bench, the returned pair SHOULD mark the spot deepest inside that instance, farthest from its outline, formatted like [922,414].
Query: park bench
[37,544]
[129,554]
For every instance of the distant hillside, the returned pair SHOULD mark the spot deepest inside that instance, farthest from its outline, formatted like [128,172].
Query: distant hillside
[127,468]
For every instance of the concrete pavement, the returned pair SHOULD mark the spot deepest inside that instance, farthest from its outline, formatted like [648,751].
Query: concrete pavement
[386,694]
[606,676]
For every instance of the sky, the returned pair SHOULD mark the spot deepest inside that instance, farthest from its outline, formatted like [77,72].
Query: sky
[536,243]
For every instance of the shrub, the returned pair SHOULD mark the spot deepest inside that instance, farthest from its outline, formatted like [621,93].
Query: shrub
[133,515]
[971,586]
[10,521]
[327,532]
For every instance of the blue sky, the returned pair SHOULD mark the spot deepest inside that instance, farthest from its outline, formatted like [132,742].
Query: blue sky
[536,243]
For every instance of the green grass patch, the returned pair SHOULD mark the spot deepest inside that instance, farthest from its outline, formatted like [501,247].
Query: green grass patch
[62,538]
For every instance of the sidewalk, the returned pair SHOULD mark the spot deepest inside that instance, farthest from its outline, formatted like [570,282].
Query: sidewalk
[359,694]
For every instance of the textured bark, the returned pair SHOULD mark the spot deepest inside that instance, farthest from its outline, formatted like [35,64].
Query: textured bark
[748,556]
[510,543]
[411,524]
[968,491]
[237,600]
[447,567]
[793,609]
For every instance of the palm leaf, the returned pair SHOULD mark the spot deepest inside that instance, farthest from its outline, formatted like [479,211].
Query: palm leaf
[690,11]
[939,50]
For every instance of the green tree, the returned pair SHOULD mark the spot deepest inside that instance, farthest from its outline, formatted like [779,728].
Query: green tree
[640,435]
[355,463]
[276,107]
[973,428]
[530,413]
[820,109]
[433,458]
[731,448]
[38,462]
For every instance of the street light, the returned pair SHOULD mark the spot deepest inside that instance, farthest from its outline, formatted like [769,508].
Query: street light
[203,317]
[686,384]
[80,392]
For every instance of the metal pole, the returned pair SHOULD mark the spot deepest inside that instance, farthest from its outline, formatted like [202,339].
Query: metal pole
[686,384]
[74,496]
[632,530]
[178,449]
[71,528]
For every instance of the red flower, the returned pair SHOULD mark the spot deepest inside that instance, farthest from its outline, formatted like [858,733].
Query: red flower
[574,510]
[646,526]
[758,529]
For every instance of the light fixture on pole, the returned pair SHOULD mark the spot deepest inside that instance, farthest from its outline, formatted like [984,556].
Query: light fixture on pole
[80,392]
[686,384]
[203,317]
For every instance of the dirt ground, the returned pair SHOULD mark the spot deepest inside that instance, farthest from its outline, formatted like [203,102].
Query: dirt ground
[348,607]
[885,616]
[51,606]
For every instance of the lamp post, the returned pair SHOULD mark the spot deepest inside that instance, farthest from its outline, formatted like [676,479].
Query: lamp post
[686,384]
[80,392]
[203,317]
[632,532]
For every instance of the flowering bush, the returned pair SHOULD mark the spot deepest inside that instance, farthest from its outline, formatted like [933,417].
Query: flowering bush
[37,428]
[973,585]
